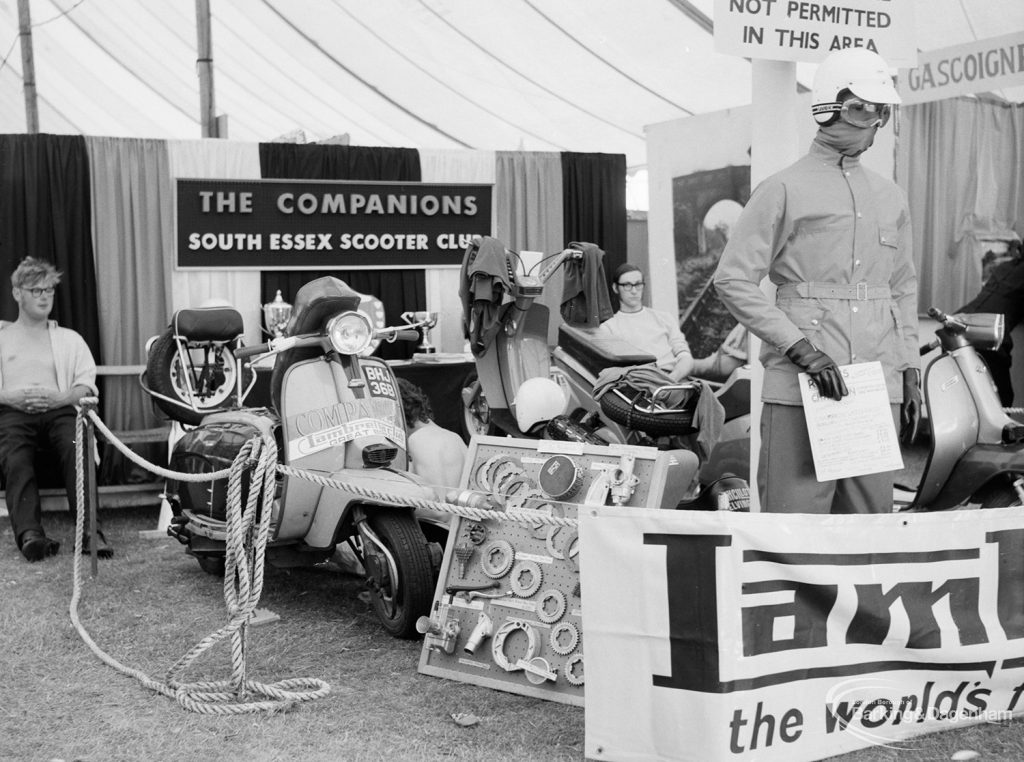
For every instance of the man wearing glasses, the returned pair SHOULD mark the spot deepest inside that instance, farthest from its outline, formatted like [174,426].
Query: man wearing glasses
[647,329]
[835,239]
[44,371]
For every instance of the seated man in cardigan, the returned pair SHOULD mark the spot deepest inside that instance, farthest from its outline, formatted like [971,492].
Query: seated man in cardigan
[44,371]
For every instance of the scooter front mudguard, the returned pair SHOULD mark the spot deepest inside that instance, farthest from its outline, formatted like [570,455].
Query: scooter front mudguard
[974,470]
[369,487]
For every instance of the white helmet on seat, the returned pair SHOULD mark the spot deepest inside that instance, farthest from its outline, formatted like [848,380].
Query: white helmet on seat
[538,399]
[860,71]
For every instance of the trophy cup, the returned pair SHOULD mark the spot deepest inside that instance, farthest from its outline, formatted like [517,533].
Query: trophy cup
[429,320]
[276,315]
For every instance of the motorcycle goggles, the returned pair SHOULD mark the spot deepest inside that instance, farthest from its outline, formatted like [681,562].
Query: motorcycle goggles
[350,332]
[861,113]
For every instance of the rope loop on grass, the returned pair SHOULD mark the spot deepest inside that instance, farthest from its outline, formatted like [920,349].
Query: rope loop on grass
[247,536]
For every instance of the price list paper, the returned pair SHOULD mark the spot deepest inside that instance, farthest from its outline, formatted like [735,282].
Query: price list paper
[856,435]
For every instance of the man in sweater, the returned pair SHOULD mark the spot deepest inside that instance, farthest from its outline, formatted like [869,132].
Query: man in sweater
[645,328]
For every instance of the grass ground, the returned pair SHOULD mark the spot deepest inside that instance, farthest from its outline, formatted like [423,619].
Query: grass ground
[152,603]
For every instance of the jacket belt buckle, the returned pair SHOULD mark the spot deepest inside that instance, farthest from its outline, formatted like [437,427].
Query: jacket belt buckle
[862,292]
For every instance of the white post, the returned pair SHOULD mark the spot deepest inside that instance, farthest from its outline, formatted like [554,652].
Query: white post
[774,144]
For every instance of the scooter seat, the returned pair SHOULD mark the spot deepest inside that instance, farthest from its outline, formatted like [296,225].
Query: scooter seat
[208,324]
[596,351]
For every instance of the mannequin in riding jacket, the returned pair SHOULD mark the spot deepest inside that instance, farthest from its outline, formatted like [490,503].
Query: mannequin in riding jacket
[835,239]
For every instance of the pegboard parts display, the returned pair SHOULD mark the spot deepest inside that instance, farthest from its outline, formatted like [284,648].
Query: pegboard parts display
[506,611]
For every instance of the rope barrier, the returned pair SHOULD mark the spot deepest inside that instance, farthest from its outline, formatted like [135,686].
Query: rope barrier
[469,512]
[466,511]
[243,586]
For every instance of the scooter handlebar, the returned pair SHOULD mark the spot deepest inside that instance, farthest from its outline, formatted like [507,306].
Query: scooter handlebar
[278,345]
[391,335]
[256,349]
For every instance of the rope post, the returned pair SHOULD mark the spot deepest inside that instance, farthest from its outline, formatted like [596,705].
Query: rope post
[91,493]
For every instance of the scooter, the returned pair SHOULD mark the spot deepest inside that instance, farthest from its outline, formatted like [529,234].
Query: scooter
[508,329]
[337,414]
[976,455]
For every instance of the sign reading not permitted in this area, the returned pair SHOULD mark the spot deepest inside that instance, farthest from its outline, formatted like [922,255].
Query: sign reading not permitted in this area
[294,224]
[808,30]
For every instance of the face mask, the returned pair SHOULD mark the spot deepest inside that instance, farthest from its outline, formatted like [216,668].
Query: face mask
[847,139]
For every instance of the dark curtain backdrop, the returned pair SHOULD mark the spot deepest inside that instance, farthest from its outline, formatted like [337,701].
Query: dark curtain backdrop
[45,212]
[399,290]
[594,203]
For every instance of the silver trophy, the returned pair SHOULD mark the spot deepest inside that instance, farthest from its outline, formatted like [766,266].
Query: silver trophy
[276,315]
[427,320]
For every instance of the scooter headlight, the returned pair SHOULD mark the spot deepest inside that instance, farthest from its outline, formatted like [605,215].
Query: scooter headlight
[350,333]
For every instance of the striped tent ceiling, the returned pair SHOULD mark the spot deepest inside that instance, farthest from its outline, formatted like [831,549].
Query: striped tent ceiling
[538,75]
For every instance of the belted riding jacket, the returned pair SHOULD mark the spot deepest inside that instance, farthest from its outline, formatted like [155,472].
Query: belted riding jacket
[835,239]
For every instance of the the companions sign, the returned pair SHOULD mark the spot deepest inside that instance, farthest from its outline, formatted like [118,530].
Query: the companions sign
[718,636]
[293,224]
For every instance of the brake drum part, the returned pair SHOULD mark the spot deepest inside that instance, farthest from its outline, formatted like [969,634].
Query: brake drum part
[502,634]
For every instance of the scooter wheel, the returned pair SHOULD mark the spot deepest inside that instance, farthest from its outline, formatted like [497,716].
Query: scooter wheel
[622,411]
[399,602]
[166,373]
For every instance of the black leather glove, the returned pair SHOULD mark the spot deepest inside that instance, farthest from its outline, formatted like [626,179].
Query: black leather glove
[820,367]
[910,410]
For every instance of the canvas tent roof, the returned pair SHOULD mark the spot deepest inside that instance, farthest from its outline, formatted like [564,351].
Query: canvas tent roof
[543,75]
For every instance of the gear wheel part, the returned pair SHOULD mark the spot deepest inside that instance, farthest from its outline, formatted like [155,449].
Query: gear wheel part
[564,638]
[571,665]
[527,497]
[497,558]
[477,533]
[481,475]
[551,606]
[530,570]
[501,469]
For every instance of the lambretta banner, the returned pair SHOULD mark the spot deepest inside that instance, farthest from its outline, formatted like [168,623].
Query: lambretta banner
[298,224]
[723,636]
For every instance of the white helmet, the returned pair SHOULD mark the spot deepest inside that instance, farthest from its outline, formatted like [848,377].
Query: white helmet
[860,71]
[538,399]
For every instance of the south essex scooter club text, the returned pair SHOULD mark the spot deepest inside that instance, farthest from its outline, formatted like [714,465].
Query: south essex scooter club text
[256,242]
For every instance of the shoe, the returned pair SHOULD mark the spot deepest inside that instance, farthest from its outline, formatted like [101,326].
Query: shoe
[36,546]
[103,548]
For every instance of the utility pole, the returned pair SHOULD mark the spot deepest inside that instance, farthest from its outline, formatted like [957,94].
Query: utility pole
[204,68]
[28,68]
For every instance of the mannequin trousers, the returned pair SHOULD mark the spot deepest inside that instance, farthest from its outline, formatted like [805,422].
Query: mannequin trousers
[786,480]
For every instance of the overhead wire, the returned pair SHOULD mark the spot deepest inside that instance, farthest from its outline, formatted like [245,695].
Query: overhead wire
[605,61]
[35,26]
[118,61]
[526,77]
[443,84]
[295,105]
[299,87]
[363,81]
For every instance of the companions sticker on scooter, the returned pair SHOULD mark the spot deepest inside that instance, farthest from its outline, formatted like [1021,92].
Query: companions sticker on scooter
[346,432]
[325,427]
